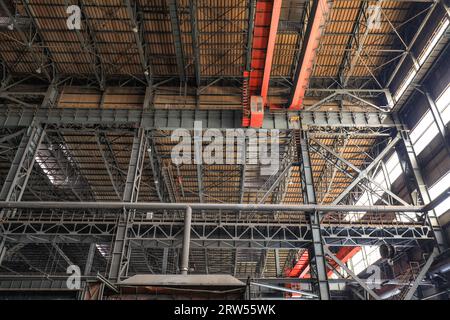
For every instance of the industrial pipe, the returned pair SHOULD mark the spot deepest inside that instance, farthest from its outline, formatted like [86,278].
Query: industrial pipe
[186,241]
[204,206]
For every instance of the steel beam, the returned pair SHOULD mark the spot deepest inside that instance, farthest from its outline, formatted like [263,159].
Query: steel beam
[349,63]
[121,248]
[42,60]
[195,42]
[176,34]
[422,25]
[62,254]
[205,206]
[421,274]
[89,45]
[317,17]
[65,164]
[214,234]
[352,274]
[174,119]
[363,174]
[136,16]
[271,39]
[251,24]
[309,295]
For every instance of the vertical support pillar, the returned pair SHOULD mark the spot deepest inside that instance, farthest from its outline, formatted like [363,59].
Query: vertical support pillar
[411,160]
[186,241]
[121,247]
[277,263]
[21,167]
[317,256]
[198,159]
[164,260]
[90,259]
[2,250]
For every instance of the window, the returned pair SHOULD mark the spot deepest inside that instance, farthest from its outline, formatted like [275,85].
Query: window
[435,38]
[443,105]
[367,256]
[422,134]
[394,169]
[436,189]
[373,254]
[405,84]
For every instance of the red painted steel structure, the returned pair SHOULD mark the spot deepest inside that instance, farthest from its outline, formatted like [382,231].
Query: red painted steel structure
[298,271]
[344,254]
[301,268]
[256,80]
[320,14]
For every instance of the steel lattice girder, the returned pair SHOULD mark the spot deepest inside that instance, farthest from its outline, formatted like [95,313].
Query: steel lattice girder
[174,119]
[214,234]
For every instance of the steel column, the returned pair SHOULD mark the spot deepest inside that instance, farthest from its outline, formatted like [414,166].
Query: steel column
[198,160]
[121,248]
[157,172]
[2,250]
[410,156]
[21,167]
[317,256]
[186,241]
[90,259]
[116,174]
